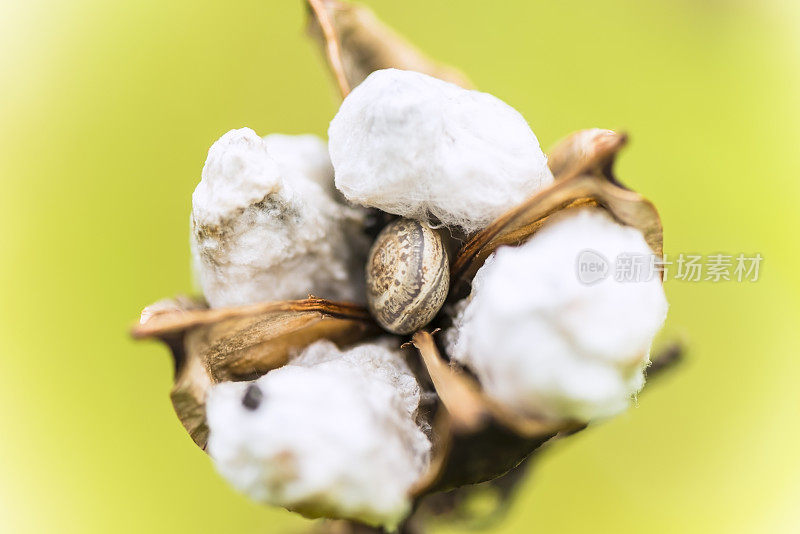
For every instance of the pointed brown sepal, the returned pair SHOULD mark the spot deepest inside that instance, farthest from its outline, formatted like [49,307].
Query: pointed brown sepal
[356,44]
[595,146]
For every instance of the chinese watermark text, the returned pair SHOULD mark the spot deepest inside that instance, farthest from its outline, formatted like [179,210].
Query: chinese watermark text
[592,267]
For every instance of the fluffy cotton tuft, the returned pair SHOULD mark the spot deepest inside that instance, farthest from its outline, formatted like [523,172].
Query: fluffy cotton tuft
[306,154]
[546,344]
[266,223]
[416,146]
[334,434]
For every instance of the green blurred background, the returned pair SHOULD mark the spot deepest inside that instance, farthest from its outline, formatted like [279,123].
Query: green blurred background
[107,110]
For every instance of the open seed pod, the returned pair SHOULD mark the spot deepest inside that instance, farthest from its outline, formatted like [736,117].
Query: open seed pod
[475,439]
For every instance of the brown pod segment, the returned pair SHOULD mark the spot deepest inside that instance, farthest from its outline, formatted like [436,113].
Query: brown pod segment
[241,343]
[584,146]
[588,181]
[356,43]
[475,438]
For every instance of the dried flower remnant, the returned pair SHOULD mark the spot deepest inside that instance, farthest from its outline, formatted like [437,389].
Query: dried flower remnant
[263,228]
[415,146]
[544,342]
[332,433]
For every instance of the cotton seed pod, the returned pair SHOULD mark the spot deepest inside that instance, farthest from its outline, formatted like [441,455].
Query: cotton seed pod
[264,228]
[422,148]
[474,437]
[333,433]
[242,343]
[547,343]
[213,345]
[407,276]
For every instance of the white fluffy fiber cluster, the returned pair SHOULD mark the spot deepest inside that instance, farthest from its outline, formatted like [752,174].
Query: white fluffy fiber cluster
[335,434]
[416,146]
[546,344]
[267,223]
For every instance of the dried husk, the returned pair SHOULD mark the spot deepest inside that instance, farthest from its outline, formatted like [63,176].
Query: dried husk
[241,343]
[476,438]
[356,44]
[588,181]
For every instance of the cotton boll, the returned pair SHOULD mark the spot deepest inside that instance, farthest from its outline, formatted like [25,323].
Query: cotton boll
[416,146]
[265,227]
[332,433]
[304,154]
[547,344]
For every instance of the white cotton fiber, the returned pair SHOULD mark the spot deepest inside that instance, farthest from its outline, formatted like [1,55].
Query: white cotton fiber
[416,146]
[266,223]
[547,344]
[305,154]
[332,433]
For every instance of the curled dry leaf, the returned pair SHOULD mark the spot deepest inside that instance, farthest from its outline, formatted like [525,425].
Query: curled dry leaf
[584,184]
[356,44]
[212,345]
